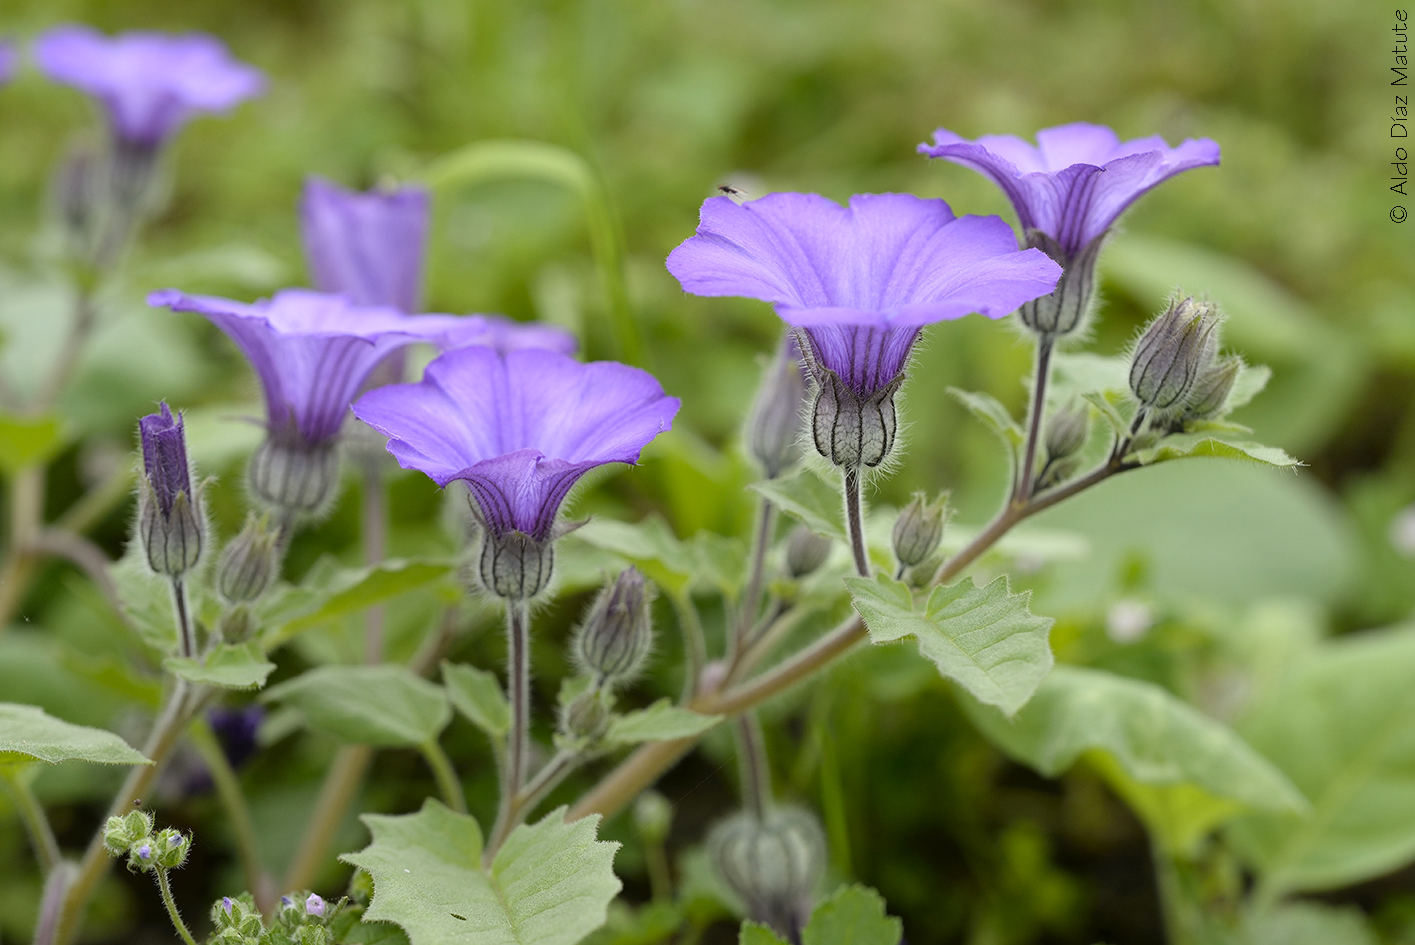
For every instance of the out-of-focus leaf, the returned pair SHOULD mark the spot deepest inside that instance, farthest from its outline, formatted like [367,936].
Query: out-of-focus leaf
[987,409]
[29,441]
[754,933]
[1105,403]
[146,600]
[660,722]
[1341,723]
[389,706]
[242,666]
[329,593]
[477,694]
[721,562]
[984,639]
[809,498]
[650,545]
[28,733]
[549,884]
[853,915]
[1309,923]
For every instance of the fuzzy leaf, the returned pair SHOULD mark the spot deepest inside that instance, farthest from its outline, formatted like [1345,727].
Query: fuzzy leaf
[243,666]
[331,591]
[854,915]
[549,884]
[1211,442]
[477,694]
[1105,406]
[27,732]
[984,639]
[660,722]
[987,409]
[389,705]
[809,498]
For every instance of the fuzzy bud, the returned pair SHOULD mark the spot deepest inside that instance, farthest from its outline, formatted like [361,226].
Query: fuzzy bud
[289,476]
[120,833]
[1174,351]
[919,529]
[515,565]
[848,430]
[618,631]
[773,864]
[249,561]
[170,848]
[237,918]
[1063,311]
[805,551]
[1211,390]
[141,857]
[171,522]
[774,425]
[585,716]
[1066,431]
[653,815]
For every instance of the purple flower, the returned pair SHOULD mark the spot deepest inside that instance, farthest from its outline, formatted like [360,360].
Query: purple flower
[1068,191]
[164,457]
[860,282]
[367,246]
[170,521]
[520,428]
[150,83]
[314,905]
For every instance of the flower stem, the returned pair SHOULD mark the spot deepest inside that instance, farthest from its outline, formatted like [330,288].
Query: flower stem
[545,781]
[373,524]
[755,766]
[171,905]
[518,685]
[85,314]
[26,520]
[1026,482]
[694,647]
[186,639]
[46,848]
[445,774]
[238,814]
[752,595]
[853,521]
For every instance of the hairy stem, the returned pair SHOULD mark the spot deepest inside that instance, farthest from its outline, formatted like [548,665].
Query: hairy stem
[171,905]
[51,901]
[186,638]
[447,784]
[1026,481]
[341,784]
[41,835]
[26,520]
[755,766]
[853,522]
[374,526]
[694,647]
[238,814]
[518,694]
[752,596]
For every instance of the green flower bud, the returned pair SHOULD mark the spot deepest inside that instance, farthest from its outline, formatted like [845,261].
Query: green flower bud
[773,864]
[774,425]
[1211,390]
[653,815]
[515,565]
[170,848]
[249,562]
[850,431]
[586,716]
[120,833]
[1067,430]
[617,633]
[805,551]
[1175,349]
[919,529]
[292,477]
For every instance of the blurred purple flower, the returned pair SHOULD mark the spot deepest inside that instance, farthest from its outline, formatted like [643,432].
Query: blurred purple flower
[862,280]
[8,59]
[164,457]
[149,82]
[366,246]
[519,427]
[236,729]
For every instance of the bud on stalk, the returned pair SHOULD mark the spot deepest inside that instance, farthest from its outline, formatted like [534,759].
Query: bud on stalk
[849,430]
[1066,431]
[171,521]
[618,631]
[292,477]
[805,551]
[919,529]
[774,425]
[515,565]
[1064,311]
[1176,348]
[772,863]
[1211,390]
[249,561]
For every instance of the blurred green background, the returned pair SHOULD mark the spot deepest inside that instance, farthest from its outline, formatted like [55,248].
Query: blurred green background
[666,100]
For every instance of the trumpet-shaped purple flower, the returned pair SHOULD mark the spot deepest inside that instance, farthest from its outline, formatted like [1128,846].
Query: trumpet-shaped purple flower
[150,83]
[520,428]
[1068,191]
[367,246]
[860,282]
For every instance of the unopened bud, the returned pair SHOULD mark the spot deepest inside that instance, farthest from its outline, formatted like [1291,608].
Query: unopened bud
[237,918]
[774,425]
[919,529]
[773,864]
[618,630]
[293,477]
[1175,349]
[1211,390]
[515,565]
[1063,311]
[249,561]
[585,716]
[140,857]
[170,848]
[171,522]
[653,815]
[850,430]
[120,833]
[1066,431]
[805,551]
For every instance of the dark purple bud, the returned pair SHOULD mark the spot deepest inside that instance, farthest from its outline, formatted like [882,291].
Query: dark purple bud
[1065,310]
[805,551]
[1176,348]
[515,565]
[618,631]
[919,529]
[164,456]
[171,522]
[236,730]
[774,425]
[772,863]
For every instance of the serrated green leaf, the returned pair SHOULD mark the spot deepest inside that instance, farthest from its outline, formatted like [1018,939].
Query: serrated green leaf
[984,639]
[330,591]
[549,884]
[1205,443]
[29,441]
[477,694]
[27,732]
[809,498]
[996,417]
[388,706]
[660,722]
[243,666]
[853,915]
[1340,722]
[1152,736]
[755,933]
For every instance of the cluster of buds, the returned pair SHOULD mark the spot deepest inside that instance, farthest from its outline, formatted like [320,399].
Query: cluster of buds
[301,919]
[772,863]
[171,520]
[775,422]
[918,530]
[131,835]
[610,646]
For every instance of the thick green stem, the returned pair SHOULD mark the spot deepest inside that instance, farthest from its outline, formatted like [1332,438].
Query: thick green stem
[238,814]
[557,769]
[694,646]
[853,521]
[46,848]
[171,905]
[445,775]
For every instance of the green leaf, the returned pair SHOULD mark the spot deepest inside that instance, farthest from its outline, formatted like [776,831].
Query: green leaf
[1309,923]
[755,933]
[660,722]
[330,592]
[28,732]
[1078,373]
[29,441]
[1209,443]
[853,915]
[477,694]
[243,666]
[1152,736]
[984,639]
[146,600]
[549,884]
[649,545]
[809,498]
[388,706]
[1105,404]
[987,409]
[1340,721]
